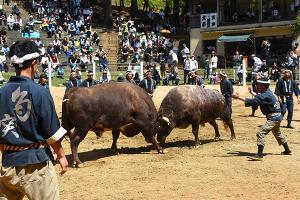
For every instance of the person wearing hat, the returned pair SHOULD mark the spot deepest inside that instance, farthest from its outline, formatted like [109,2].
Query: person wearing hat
[73,81]
[104,78]
[29,126]
[129,77]
[285,88]
[270,107]
[43,81]
[226,89]
[196,79]
[90,81]
[148,84]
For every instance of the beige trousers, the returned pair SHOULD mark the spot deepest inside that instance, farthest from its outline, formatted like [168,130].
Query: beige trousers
[37,182]
[273,126]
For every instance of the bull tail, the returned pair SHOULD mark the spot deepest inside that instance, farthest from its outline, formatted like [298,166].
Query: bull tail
[65,122]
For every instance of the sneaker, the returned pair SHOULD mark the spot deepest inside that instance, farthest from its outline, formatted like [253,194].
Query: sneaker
[286,153]
[256,157]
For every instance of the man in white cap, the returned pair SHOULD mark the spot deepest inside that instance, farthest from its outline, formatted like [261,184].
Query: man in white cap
[90,81]
[270,107]
[285,88]
[226,89]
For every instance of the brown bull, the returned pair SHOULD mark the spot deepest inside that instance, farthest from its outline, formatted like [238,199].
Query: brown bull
[185,105]
[112,106]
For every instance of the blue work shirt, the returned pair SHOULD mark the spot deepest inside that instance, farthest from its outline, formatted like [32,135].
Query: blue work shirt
[268,105]
[27,116]
[226,88]
[286,88]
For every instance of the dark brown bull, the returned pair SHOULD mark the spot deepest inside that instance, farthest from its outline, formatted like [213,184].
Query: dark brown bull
[185,105]
[115,106]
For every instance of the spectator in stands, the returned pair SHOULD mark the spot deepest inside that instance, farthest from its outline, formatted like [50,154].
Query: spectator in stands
[2,61]
[54,61]
[60,71]
[3,35]
[148,84]
[10,22]
[18,24]
[90,80]
[95,38]
[73,81]
[57,45]
[101,54]
[15,10]
[125,52]
[84,61]
[45,61]
[195,79]
[129,77]
[172,76]
[104,78]
[43,81]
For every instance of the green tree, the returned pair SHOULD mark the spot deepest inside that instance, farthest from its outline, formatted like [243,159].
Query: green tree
[296,25]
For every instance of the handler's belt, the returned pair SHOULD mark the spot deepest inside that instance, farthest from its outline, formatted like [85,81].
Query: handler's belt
[23,148]
[273,114]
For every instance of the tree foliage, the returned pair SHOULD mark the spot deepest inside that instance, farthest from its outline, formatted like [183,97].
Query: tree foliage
[296,25]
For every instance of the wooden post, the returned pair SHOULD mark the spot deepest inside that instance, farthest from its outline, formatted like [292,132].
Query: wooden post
[94,70]
[245,63]
[49,74]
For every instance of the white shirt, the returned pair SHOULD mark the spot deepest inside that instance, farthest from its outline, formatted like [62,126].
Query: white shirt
[185,52]
[187,64]
[2,59]
[194,65]
[213,62]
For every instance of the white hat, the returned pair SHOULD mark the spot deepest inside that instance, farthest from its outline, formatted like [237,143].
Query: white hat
[264,80]
[223,73]
[288,70]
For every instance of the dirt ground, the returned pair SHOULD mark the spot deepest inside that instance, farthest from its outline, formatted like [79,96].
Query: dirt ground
[215,170]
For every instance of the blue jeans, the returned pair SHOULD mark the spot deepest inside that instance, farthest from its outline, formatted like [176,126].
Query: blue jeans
[289,106]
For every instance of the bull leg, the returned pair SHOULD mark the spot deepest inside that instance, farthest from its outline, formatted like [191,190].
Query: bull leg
[195,130]
[115,134]
[228,121]
[217,133]
[98,134]
[150,138]
[75,140]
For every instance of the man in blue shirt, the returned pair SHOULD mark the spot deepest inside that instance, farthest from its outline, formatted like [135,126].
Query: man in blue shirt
[226,89]
[270,107]
[28,127]
[285,88]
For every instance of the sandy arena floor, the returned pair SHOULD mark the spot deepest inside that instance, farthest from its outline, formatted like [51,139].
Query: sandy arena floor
[216,170]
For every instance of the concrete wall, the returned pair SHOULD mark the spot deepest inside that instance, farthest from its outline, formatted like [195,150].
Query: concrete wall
[196,41]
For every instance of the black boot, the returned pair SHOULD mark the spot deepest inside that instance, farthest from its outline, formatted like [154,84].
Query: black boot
[289,124]
[259,156]
[287,150]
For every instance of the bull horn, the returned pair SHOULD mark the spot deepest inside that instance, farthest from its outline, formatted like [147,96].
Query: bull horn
[166,119]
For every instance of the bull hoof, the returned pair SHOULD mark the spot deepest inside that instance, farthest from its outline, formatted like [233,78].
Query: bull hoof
[163,151]
[217,139]
[232,137]
[77,165]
